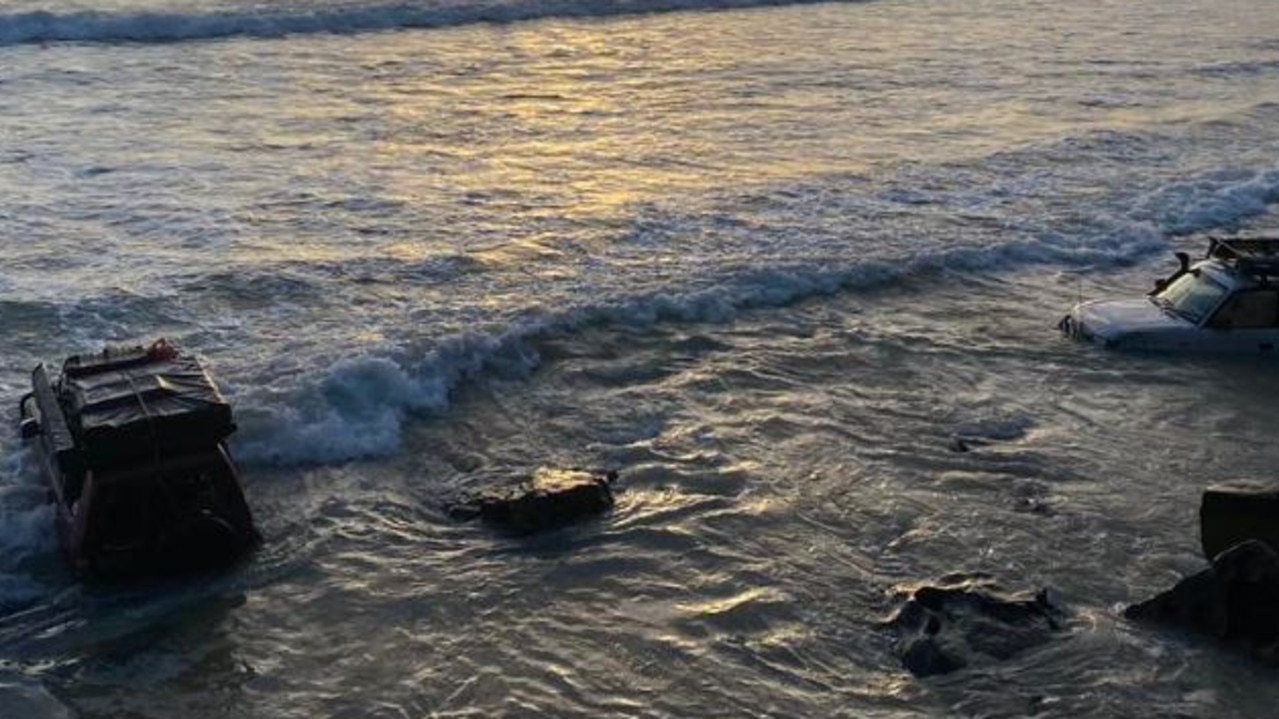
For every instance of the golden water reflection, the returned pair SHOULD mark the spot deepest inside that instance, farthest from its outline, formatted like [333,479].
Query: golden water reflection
[526,133]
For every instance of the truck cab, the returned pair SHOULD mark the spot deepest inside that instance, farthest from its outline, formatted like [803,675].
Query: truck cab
[1226,302]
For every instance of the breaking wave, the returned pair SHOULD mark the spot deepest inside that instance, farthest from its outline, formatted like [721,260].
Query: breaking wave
[172,26]
[358,407]
[1217,199]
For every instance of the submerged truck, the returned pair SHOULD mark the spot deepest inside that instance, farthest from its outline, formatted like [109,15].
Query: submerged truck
[1226,302]
[133,442]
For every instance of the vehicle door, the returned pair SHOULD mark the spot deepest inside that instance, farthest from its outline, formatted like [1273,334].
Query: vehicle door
[1248,321]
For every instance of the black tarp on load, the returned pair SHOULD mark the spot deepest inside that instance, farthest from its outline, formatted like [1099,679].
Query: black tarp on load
[145,410]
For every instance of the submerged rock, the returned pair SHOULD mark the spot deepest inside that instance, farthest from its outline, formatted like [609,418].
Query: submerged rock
[548,499]
[1236,599]
[943,628]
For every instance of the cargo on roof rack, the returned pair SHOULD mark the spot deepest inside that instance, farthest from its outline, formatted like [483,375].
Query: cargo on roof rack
[1258,256]
[133,441]
[135,410]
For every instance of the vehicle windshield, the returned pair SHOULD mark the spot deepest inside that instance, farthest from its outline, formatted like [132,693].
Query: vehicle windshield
[1193,295]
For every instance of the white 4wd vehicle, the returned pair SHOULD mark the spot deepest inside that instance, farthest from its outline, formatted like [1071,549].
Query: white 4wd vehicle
[1226,302]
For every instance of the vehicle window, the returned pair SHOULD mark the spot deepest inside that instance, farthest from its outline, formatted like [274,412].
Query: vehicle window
[1193,295]
[1249,310]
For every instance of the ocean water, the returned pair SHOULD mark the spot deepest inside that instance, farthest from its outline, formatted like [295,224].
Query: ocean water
[769,260]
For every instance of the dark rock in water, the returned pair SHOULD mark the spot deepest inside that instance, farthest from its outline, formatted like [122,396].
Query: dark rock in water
[1236,599]
[548,499]
[942,628]
[1234,512]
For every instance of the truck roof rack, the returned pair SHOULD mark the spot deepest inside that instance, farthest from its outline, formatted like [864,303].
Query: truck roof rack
[1258,256]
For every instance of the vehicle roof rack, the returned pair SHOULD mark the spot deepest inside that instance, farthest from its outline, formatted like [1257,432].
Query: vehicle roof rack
[1257,256]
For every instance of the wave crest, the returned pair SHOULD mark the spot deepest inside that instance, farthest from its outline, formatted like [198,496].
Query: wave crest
[44,26]
[357,407]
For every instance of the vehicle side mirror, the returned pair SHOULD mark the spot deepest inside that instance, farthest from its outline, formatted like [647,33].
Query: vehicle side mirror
[29,427]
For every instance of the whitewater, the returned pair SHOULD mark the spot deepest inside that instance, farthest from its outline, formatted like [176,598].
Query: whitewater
[769,260]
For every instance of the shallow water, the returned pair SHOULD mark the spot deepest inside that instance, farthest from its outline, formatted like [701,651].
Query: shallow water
[769,263]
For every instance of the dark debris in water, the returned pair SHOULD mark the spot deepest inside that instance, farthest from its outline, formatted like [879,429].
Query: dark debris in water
[967,444]
[1035,505]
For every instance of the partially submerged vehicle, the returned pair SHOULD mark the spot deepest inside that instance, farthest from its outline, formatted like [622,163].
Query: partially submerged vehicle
[1226,302]
[133,442]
